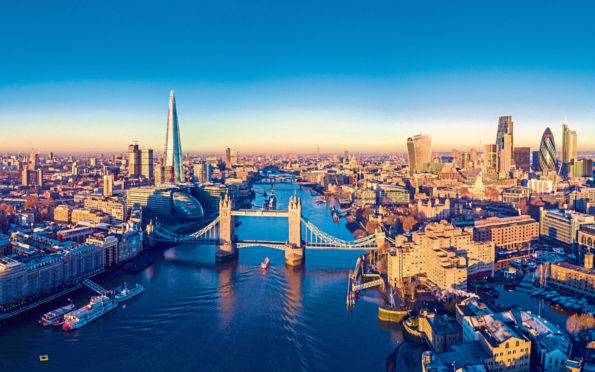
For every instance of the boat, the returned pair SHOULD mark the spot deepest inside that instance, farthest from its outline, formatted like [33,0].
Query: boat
[320,200]
[98,306]
[265,264]
[549,295]
[56,316]
[271,202]
[538,291]
[127,291]
[357,295]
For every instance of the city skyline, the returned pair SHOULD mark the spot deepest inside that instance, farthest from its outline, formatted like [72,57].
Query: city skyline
[248,81]
[443,137]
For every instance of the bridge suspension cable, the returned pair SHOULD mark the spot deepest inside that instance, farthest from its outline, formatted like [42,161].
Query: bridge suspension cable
[316,238]
[208,234]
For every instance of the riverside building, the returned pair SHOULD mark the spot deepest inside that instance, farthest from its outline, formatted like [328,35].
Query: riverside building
[445,254]
[23,276]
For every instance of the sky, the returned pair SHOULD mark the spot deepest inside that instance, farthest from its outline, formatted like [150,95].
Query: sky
[291,76]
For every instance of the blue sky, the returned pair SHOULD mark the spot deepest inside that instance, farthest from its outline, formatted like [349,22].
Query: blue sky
[280,76]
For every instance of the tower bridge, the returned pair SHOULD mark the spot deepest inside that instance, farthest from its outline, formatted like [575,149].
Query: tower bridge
[302,234]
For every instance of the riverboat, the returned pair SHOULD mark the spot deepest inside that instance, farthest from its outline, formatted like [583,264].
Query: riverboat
[56,316]
[97,307]
[126,291]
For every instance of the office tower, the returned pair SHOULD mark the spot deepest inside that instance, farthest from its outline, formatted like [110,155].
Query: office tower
[75,168]
[465,158]
[108,185]
[147,166]
[568,144]
[50,155]
[505,126]
[547,151]
[490,156]
[32,177]
[173,148]
[202,172]
[133,161]
[233,157]
[505,153]
[587,167]
[419,148]
[33,161]
[535,160]
[159,174]
[227,157]
[522,158]
[580,168]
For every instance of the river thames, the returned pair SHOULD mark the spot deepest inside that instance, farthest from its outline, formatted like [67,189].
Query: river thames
[198,315]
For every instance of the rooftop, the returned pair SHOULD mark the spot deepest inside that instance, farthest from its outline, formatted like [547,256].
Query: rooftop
[569,266]
[467,354]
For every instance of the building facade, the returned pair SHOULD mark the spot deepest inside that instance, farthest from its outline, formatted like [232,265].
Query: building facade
[419,150]
[507,233]
[562,226]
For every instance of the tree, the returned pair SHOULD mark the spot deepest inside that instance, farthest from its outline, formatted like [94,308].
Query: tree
[32,202]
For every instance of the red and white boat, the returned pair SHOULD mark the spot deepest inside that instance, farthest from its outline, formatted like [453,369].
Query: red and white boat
[99,305]
[55,317]
[265,264]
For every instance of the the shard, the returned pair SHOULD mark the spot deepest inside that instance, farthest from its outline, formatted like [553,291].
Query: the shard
[173,148]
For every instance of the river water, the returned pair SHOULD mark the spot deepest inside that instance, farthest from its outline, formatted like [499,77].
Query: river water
[198,315]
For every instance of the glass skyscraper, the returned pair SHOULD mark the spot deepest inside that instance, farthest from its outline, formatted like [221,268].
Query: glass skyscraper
[547,151]
[173,163]
[419,149]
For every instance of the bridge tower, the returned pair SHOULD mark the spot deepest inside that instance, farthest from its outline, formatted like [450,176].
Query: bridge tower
[380,238]
[294,252]
[226,249]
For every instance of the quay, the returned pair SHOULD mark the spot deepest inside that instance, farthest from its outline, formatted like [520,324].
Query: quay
[388,314]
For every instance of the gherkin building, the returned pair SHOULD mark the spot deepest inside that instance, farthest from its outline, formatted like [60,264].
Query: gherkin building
[547,151]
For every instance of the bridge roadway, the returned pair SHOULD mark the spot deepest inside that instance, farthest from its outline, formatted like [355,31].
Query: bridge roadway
[261,243]
[260,213]
[307,245]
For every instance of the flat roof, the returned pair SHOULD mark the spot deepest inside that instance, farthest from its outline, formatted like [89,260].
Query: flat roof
[569,266]
[464,354]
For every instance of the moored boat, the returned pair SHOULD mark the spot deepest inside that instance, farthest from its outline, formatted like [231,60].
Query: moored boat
[127,291]
[265,264]
[99,305]
[56,316]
